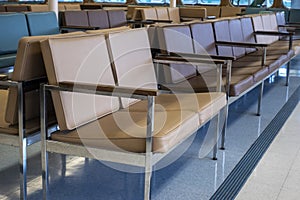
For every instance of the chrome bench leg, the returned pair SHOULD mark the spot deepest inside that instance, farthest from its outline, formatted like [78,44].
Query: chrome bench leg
[224,128]
[260,99]
[288,73]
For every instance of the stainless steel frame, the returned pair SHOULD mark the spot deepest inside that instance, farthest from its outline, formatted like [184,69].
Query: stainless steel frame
[147,159]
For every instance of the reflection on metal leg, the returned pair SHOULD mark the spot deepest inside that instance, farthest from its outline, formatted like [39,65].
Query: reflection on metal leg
[44,136]
[217,122]
[148,160]
[22,142]
[260,99]
[287,73]
[224,128]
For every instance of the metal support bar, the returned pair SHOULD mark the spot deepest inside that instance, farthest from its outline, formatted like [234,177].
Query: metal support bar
[22,142]
[264,57]
[290,42]
[288,73]
[148,153]
[260,98]
[217,129]
[44,136]
[224,128]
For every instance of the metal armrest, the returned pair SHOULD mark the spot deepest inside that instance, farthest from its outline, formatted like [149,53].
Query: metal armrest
[3,77]
[167,59]
[241,44]
[26,85]
[275,33]
[205,56]
[106,90]
[79,27]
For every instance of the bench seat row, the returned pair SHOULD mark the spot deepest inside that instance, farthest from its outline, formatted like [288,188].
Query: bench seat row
[18,25]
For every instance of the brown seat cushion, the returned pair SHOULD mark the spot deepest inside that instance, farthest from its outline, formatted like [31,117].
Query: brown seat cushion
[205,104]
[126,131]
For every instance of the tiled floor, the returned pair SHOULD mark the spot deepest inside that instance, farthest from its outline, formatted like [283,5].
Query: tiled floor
[188,177]
[277,176]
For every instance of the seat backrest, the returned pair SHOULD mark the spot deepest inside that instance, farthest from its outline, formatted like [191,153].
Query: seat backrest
[98,18]
[270,24]
[13,28]
[294,16]
[17,8]
[248,32]
[176,39]
[280,17]
[42,23]
[258,26]
[149,14]
[213,10]
[75,18]
[222,33]
[203,38]
[174,14]
[193,12]
[76,59]
[162,13]
[29,65]
[116,18]
[39,8]
[2,8]
[72,6]
[227,11]
[236,35]
[131,55]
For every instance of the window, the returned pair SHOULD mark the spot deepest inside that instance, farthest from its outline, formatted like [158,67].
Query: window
[254,3]
[70,1]
[204,2]
[287,3]
[111,1]
[154,1]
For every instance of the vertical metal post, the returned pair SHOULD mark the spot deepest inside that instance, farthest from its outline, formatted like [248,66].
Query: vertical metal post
[44,136]
[22,142]
[228,80]
[224,127]
[260,98]
[217,129]
[290,42]
[288,73]
[148,153]
[264,57]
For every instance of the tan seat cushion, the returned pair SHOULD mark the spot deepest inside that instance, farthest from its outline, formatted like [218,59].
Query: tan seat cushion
[205,104]
[127,131]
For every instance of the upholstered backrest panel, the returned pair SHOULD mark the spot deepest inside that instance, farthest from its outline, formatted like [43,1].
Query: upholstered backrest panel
[98,18]
[75,18]
[80,59]
[149,14]
[247,29]
[174,15]
[13,28]
[236,35]
[270,24]
[203,38]
[42,23]
[132,60]
[222,33]
[177,39]
[162,13]
[116,18]
[258,26]
[29,65]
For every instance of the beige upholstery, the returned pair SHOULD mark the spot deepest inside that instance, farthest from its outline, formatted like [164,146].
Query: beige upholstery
[131,57]
[162,13]
[39,8]
[228,11]
[76,59]
[29,65]
[149,14]
[174,15]
[125,130]
[205,104]
[193,12]
[72,7]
